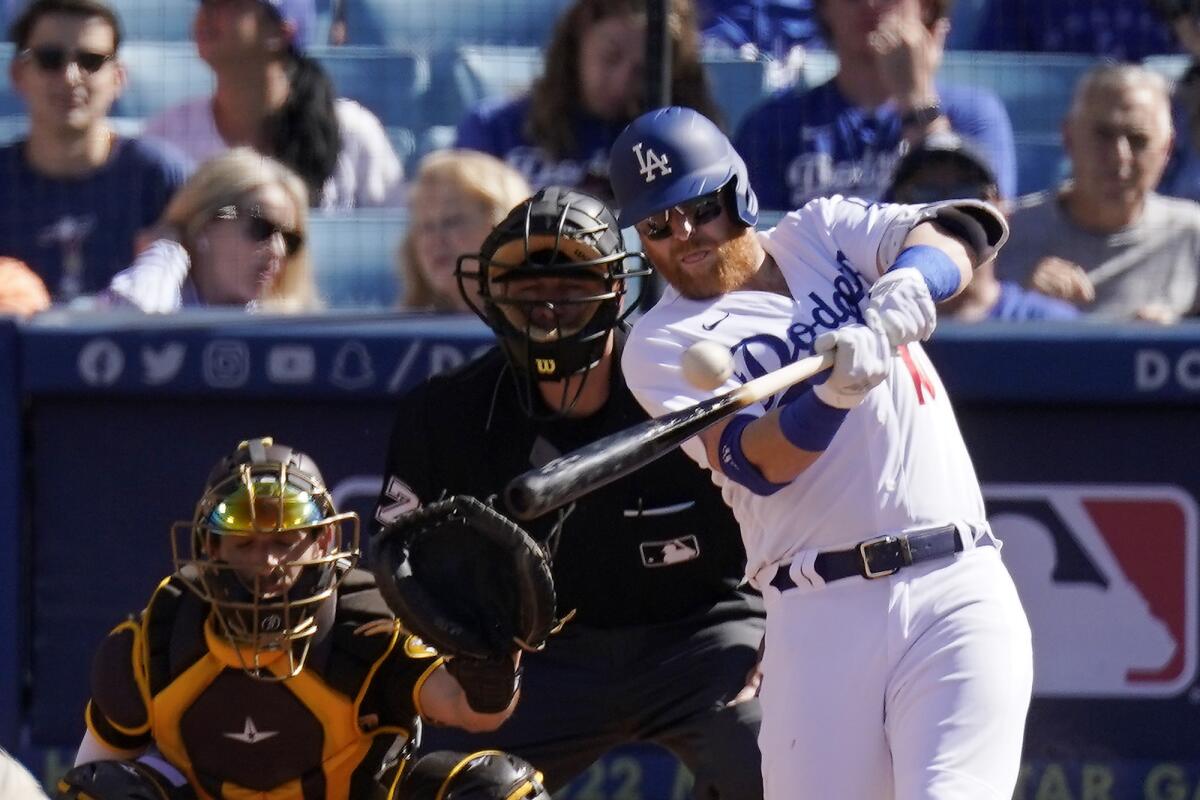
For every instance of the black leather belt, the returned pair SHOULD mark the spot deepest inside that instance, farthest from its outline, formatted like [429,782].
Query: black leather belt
[880,557]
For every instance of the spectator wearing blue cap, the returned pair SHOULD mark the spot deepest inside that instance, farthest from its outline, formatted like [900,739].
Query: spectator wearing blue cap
[274,98]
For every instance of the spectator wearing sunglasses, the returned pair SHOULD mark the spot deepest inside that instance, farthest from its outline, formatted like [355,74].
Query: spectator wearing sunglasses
[945,166]
[74,195]
[233,236]
[274,98]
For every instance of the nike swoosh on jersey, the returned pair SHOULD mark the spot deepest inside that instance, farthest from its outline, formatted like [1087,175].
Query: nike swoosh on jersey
[709,327]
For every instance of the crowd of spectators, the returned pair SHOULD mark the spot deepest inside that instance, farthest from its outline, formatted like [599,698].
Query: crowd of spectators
[90,213]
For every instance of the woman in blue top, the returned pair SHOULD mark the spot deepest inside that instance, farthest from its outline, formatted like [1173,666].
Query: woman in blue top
[590,89]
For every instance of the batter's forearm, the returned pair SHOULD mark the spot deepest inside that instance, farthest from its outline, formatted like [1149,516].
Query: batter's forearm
[929,233]
[765,447]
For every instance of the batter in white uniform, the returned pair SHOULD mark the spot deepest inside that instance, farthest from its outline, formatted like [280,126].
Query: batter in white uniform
[898,660]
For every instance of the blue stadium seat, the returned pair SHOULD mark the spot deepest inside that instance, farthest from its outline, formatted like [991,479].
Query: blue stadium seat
[737,86]
[13,127]
[965,19]
[462,76]
[354,257]
[1041,162]
[161,75]
[156,20]
[404,142]
[1035,87]
[10,102]
[435,137]
[441,23]
[1170,67]
[389,82]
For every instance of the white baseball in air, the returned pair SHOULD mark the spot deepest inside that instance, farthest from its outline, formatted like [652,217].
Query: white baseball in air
[707,365]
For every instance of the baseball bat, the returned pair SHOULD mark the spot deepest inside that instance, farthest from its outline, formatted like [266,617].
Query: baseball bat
[533,493]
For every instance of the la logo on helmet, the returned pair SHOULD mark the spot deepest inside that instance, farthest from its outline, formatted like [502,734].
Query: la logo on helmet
[650,161]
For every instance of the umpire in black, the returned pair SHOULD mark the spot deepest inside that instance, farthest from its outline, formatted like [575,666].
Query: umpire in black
[663,645]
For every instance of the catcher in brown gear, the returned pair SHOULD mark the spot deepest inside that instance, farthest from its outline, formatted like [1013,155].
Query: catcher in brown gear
[267,664]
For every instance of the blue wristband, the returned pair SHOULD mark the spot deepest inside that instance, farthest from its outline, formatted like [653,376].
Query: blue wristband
[810,424]
[940,272]
[734,463]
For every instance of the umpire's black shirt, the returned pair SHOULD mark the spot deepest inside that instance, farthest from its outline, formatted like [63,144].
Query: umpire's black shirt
[657,545]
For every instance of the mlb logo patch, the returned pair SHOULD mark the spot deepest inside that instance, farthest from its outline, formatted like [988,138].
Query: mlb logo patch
[1107,575]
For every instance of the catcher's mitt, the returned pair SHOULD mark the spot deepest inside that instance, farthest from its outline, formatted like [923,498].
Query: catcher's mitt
[466,580]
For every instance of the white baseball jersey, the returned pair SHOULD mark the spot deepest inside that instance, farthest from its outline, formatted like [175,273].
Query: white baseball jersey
[897,462]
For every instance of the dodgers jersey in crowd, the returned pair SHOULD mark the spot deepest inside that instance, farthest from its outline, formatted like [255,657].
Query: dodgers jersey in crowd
[897,462]
[799,145]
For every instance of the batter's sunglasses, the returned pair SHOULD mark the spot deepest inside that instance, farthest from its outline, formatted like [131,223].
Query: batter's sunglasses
[699,211]
[50,58]
[260,228]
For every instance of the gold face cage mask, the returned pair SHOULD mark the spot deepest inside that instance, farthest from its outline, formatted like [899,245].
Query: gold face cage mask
[266,548]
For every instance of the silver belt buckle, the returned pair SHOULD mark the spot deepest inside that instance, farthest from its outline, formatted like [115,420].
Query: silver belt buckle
[862,553]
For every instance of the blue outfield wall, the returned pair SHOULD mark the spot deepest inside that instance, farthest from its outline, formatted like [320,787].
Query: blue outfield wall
[1085,438]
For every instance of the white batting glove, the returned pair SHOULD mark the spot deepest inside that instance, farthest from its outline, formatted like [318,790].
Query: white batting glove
[862,358]
[901,298]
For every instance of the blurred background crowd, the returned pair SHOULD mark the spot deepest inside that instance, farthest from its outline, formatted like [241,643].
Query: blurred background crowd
[296,155]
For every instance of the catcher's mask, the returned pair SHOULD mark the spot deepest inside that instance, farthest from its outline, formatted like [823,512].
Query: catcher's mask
[266,547]
[549,280]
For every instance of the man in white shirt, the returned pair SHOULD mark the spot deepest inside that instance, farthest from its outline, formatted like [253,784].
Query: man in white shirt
[1106,241]
[898,660]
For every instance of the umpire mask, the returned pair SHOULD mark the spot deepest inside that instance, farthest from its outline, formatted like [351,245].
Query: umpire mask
[549,281]
[265,548]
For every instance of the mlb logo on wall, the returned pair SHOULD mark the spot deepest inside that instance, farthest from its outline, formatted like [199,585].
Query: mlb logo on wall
[1107,575]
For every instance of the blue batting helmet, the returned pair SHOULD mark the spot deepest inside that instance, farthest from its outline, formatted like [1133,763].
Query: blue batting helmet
[672,155]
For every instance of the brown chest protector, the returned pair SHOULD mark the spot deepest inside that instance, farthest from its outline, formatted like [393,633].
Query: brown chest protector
[320,734]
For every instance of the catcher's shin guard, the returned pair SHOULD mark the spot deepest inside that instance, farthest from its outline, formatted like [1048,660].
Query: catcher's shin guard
[483,775]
